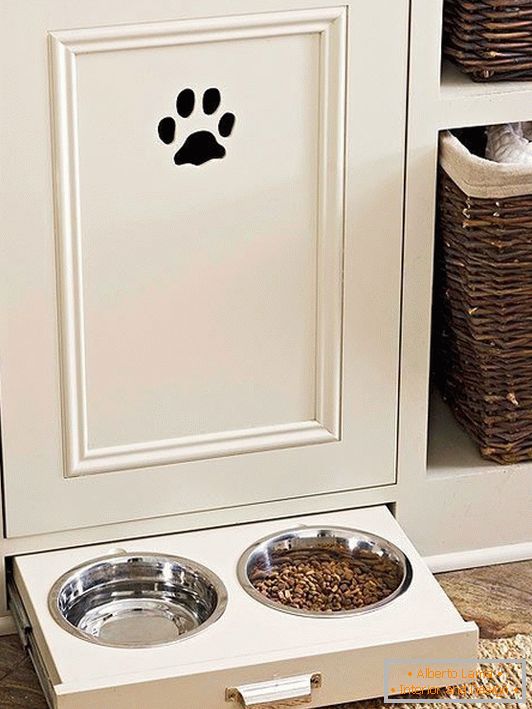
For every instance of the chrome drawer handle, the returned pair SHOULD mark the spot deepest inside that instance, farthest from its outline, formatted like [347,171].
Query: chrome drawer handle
[276,693]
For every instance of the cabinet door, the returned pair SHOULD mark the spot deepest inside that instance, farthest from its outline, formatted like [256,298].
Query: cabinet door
[200,273]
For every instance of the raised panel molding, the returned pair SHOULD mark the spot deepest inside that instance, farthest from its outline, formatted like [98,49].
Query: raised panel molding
[330,25]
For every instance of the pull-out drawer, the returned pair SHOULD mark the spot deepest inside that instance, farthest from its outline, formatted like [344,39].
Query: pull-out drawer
[252,655]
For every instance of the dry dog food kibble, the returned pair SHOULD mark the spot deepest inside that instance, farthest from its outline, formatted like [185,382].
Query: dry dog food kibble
[326,581]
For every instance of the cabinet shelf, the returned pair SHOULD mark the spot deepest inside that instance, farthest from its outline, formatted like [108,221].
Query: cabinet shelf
[452,452]
[464,103]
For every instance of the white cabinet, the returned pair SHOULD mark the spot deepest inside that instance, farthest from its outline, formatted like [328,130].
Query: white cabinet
[200,277]
[200,282]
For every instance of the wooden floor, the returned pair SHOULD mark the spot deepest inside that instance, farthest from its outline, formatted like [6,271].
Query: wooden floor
[498,598]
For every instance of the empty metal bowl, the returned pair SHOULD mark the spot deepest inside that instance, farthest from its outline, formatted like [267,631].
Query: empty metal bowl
[304,543]
[137,600]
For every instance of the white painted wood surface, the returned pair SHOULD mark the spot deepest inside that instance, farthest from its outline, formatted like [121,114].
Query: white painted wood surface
[251,642]
[466,103]
[176,338]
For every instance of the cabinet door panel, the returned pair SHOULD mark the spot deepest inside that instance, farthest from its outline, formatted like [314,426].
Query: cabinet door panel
[190,290]
[202,285]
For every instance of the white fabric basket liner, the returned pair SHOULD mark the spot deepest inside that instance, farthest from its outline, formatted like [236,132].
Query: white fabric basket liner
[482,178]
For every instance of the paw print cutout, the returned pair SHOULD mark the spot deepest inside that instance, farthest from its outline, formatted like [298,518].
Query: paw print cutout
[202,145]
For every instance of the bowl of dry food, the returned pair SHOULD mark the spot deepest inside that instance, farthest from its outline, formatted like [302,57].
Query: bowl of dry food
[324,572]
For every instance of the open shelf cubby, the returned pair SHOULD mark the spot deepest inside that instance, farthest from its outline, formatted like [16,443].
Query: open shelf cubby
[451,451]
[450,488]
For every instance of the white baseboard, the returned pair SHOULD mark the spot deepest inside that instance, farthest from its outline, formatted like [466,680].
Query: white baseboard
[479,557]
[7,624]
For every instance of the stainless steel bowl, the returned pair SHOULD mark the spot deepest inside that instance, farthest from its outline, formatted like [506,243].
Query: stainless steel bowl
[302,540]
[137,600]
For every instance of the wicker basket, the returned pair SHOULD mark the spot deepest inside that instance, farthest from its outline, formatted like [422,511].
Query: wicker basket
[491,40]
[482,352]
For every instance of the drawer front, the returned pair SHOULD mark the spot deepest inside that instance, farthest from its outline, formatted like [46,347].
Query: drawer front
[349,676]
[203,285]
[253,652]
